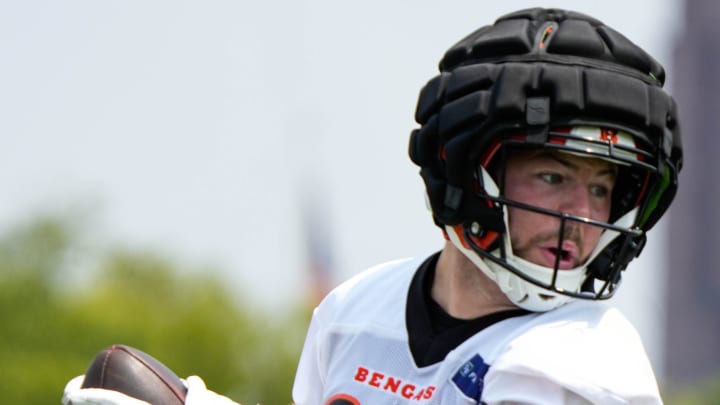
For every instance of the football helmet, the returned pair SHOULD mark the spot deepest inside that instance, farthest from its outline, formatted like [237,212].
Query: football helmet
[562,81]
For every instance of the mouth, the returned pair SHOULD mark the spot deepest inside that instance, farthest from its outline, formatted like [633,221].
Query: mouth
[566,256]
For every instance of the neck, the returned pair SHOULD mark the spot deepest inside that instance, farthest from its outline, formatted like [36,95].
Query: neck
[463,290]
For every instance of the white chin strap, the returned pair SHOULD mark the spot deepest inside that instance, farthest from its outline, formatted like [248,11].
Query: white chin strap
[523,293]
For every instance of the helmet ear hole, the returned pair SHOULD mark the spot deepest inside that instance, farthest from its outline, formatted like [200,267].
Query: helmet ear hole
[483,238]
[478,238]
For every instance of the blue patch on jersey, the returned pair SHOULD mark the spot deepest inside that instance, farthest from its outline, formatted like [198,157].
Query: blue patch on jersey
[470,378]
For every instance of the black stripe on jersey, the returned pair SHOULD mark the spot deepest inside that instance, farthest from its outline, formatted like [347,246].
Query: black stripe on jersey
[432,332]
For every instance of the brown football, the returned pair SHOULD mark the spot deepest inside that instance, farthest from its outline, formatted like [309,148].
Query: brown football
[135,373]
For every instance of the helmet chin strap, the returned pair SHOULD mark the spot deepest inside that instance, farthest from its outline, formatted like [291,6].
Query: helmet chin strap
[520,291]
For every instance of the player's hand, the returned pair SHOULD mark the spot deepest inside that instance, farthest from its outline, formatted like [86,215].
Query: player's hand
[198,394]
[75,395]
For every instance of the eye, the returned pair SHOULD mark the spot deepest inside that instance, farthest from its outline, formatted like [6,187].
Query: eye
[551,178]
[599,190]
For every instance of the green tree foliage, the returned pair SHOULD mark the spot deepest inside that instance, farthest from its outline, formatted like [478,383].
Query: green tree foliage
[52,324]
[706,392]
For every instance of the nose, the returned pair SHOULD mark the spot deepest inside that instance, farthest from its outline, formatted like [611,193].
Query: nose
[577,201]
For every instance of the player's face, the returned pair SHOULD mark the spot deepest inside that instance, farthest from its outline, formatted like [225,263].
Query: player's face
[561,182]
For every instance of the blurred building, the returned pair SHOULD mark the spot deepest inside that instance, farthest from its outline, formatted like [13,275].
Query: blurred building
[692,348]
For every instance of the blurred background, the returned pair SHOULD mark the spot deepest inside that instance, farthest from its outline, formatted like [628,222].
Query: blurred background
[190,177]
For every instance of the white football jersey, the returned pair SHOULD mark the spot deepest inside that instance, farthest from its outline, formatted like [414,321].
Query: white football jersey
[371,342]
